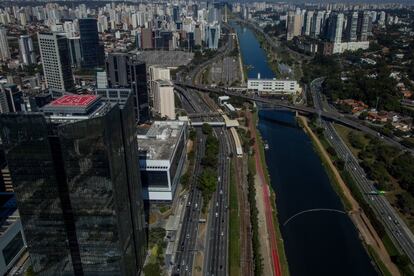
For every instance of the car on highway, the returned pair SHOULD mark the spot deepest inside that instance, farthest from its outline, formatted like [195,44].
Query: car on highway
[216,215]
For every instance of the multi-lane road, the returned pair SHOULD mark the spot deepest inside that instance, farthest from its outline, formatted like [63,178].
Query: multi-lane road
[394,225]
[215,258]
[215,252]
[216,242]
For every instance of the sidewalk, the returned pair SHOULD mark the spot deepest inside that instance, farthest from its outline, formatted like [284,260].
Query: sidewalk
[267,205]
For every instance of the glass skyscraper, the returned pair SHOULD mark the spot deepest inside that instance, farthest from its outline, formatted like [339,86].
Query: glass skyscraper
[127,71]
[77,186]
[91,49]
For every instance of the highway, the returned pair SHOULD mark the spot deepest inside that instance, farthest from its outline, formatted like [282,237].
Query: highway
[215,255]
[330,115]
[394,225]
[216,244]
[215,258]
[183,261]
[217,229]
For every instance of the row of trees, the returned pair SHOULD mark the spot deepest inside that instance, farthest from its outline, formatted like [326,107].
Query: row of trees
[208,178]
[257,256]
[383,164]
[185,178]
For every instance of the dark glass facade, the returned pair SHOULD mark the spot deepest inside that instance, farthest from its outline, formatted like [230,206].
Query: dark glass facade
[155,179]
[64,54]
[126,70]
[13,248]
[78,191]
[90,48]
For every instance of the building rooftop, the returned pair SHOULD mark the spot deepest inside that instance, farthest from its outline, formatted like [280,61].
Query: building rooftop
[75,100]
[159,142]
[165,83]
[82,106]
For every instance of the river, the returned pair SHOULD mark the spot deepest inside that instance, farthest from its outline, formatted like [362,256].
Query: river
[316,243]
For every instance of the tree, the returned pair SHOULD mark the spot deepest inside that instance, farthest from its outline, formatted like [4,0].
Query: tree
[207,129]
[340,164]
[363,115]
[331,151]
[192,134]
[356,140]
[405,202]
[152,269]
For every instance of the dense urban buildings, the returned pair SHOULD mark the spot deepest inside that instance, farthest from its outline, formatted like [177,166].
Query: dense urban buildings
[126,128]
[75,178]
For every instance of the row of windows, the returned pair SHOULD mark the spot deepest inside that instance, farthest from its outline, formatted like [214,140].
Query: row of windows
[155,167]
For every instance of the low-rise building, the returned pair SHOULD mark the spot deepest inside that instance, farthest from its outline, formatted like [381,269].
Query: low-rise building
[162,152]
[354,105]
[273,86]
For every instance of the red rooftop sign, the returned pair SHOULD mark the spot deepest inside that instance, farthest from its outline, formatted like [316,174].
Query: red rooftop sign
[74,100]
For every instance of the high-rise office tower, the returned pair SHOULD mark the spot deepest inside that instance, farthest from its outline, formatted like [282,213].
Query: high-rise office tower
[92,51]
[363,25]
[335,26]
[351,27]
[146,38]
[164,102]
[27,53]
[127,71]
[294,25]
[54,51]
[77,185]
[308,23]
[12,96]
[213,36]
[176,13]
[381,20]
[75,52]
[198,41]
[4,45]
[194,9]
[316,24]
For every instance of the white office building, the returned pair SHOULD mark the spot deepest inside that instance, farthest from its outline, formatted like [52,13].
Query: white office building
[55,53]
[164,102]
[27,53]
[213,36]
[4,45]
[159,73]
[162,152]
[273,86]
